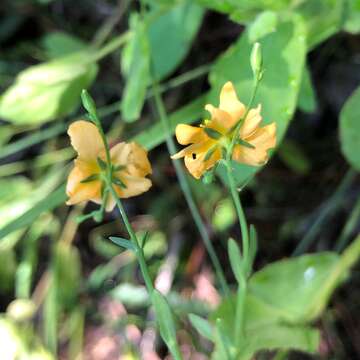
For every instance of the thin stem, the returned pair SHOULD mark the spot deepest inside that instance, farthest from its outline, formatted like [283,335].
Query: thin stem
[351,222]
[329,208]
[133,237]
[106,29]
[111,46]
[239,210]
[184,185]
[239,313]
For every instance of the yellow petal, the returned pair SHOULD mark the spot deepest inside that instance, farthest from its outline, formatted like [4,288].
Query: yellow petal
[78,191]
[230,103]
[251,123]
[133,156]
[85,139]
[221,121]
[186,134]
[263,139]
[197,165]
[135,185]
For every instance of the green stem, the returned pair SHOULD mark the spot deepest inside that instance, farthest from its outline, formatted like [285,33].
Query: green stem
[349,227]
[184,185]
[239,210]
[138,250]
[329,208]
[111,46]
[239,313]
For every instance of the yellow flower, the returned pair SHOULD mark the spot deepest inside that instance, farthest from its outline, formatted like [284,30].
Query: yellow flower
[130,164]
[205,142]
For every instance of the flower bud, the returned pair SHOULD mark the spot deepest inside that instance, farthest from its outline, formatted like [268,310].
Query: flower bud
[256,61]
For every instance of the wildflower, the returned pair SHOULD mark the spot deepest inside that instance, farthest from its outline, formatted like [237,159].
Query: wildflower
[86,181]
[207,141]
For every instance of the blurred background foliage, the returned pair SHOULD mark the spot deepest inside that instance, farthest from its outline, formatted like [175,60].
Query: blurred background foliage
[67,292]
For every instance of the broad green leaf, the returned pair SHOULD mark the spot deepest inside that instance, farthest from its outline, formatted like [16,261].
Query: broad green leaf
[284,54]
[301,287]
[58,43]
[202,326]
[322,18]
[307,97]
[136,68]
[264,328]
[49,90]
[263,24]
[281,336]
[352,22]
[350,129]
[171,35]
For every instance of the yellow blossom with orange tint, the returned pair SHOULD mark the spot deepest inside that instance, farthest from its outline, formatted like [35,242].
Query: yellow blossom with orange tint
[86,180]
[206,142]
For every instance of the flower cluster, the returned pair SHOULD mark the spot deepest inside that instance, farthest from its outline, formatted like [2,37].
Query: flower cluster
[230,124]
[86,180]
[206,142]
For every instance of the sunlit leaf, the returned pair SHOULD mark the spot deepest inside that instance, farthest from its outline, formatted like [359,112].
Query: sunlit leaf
[49,90]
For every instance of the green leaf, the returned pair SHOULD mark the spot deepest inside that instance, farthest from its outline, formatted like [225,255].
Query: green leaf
[49,90]
[281,336]
[301,287]
[90,178]
[59,43]
[264,329]
[53,200]
[352,22]
[212,133]
[322,18]
[202,326]
[171,36]
[350,129]
[164,318]
[307,97]
[136,68]
[89,103]
[264,23]
[284,54]
[236,261]
[125,243]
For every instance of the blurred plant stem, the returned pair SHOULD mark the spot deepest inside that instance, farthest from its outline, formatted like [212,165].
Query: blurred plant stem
[184,185]
[158,301]
[107,28]
[328,209]
[351,223]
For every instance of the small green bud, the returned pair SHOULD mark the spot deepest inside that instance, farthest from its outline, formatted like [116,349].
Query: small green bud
[88,103]
[256,61]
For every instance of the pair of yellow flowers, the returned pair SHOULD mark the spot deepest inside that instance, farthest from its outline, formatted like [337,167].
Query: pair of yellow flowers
[201,154]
